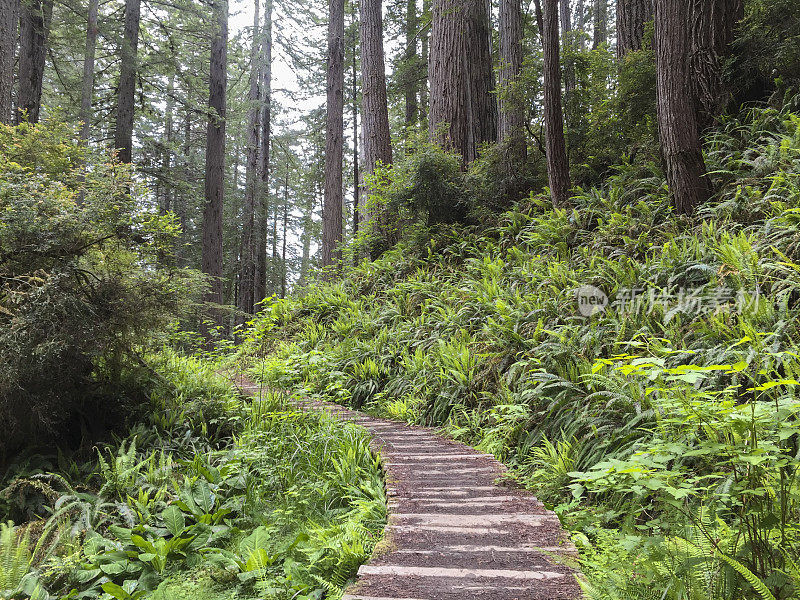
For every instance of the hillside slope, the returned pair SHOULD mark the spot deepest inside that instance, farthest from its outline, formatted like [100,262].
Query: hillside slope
[663,429]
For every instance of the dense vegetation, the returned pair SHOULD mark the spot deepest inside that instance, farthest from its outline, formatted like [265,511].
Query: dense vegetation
[664,432]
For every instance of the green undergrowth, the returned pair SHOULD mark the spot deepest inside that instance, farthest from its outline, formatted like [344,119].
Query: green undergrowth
[663,432]
[206,496]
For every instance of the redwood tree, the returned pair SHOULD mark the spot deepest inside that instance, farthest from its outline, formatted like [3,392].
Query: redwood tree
[249,243]
[512,113]
[34,28]
[632,15]
[375,112]
[334,134]
[262,206]
[9,20]
[215,155]
[556,147]
[678,125]
[87,85]
[461,78]
[126,93]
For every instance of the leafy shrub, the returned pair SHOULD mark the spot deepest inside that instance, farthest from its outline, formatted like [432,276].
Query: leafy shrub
[82,284]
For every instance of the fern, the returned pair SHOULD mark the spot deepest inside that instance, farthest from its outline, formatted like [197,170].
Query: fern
[15,558]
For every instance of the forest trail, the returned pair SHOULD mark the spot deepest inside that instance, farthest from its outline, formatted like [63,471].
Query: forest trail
[453,532]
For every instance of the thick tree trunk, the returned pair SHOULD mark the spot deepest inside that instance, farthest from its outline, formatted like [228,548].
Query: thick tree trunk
[461,77]
[308,230]
[557,161]
[375,112]
[9,21]
[249,254]
[215,155]
[677,121]
[512,112]
[334,134]
[126,95]
[87,86]
[632,15]
[411,84]
[262,218]
[712,27]
[34,29]
[600,22]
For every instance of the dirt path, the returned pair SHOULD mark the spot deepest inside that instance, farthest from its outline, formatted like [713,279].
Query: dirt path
[454,533]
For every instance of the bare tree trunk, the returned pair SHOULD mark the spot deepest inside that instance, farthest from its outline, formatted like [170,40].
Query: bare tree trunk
[411,85]
[356,171]
[249,255]
[632,15]
[557,161]
[677,121]
[87,87]
[712,27]
[600,22]
[512,112]
[123,136]
[182,206]
[424,54]
[580,25]
[166,151]
[262,219]
[9,21]
[375,113]
[308,225]
[334,134]
[285,227]
[215,155]
[566,39]
[461,77]
[34,29]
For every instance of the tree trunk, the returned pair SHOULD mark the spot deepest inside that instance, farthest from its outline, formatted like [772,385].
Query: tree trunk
[334,134]
[215,155]
[580,25]
[632,15]
[123,135]
[356,171]
[249,255]
[677,121]
[87,87]
[424,45]
[557,161]
[285,227]
[461,77]
[308,226]
[9,21]
[512,112]
[34,29]
[712,27]
[566,40]
[374,113]
[411,84]
[260,285]
[600,23]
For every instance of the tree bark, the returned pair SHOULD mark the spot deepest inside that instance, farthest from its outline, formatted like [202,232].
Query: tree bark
[334,134]
[34,30]
[557,161]
[600,23]
[712,28]
[285,227]
[678,127]
[566,40]
[632,15]
[249,254]
[9,21]
[262,220]
[375,112]
[126,95]
[512,113]
[411,84]
[357,208]
[463,108]
[215,155]
[87,87]
[424,46]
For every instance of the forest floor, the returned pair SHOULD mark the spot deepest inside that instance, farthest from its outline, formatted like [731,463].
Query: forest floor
[457,529]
